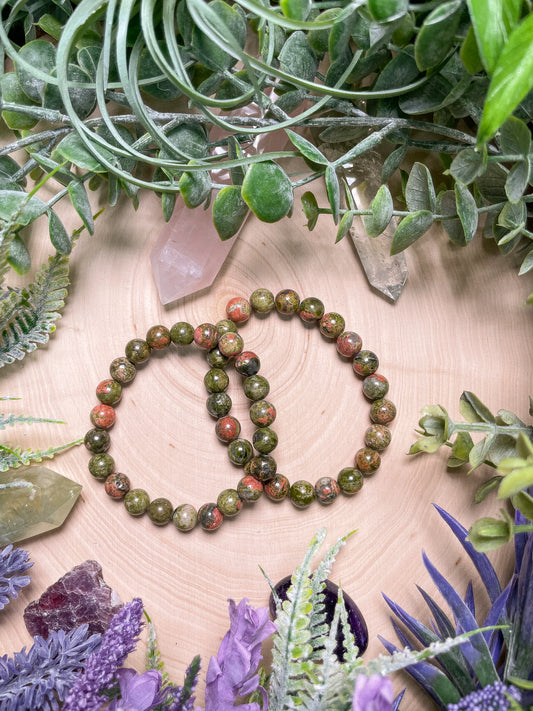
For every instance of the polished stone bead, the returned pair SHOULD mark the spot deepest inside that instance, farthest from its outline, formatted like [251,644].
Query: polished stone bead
[375,386]
[277,488]
[247,363]
[218,404]
[262,301]
[80,597]
[122,370]
[326,490]
[231,344]
[182,333]
[136,501]
[210,517]
[216,359]
[226,325]
[138,351]
[263,467]
[227,428]
[229,502]
[382,411]
[36,499]
[160,511]
[109,392]
[365,363]
[102,416]
[238,310]
[249,488]
[206,336]
[216,380]
[302,494]
[240,451]
[350,480]
[367,460]
[378,437]
[331,325]
[311,309]
[256,387]
[262,413]
[185,517]
[349,344]
[101,465]
[97,440]
[264,440]
[287,302]
[158,337]
[117,485]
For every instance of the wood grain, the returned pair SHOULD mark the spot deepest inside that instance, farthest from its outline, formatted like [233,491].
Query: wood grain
[461,324]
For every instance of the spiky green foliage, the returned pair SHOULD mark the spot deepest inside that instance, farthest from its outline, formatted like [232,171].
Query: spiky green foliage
[14,457]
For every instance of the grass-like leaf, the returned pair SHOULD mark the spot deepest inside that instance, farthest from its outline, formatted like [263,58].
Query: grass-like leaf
[14,457]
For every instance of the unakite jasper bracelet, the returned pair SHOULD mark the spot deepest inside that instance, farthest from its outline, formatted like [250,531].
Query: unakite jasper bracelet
[222,344]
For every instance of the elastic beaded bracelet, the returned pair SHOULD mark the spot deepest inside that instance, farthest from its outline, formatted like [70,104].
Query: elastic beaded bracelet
[221,342]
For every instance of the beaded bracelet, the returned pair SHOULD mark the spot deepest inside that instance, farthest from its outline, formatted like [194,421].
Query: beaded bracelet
[222,342]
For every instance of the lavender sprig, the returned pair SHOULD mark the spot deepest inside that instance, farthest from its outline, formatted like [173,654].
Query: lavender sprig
[118,641]
[41,677]
[13,563]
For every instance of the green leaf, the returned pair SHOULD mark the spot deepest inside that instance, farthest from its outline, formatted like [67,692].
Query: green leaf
[382,208]
[387,10]
[306,148]
[12,93]
[524,503]
[514,482]
[511,81]
[392,162]
[473,410]
[419,190]
[517,180]
[229,211]
[195,187]
[480,452]
[344,225]
[319,39]
[515,137]
[58,234]
[447,205]
[310,208]
[207,48]
[410,229]
[491,22]
[50,25]
[490,533]
[83,100]
[295,9]
[267,190]
[73,149]
[333,191]
[467,211]
[18,208]
[37,53]
[513,218]
[460,450]
[437,34]
[469,53]
[467,165]
[485,489]
[298,58]
[527,264]
[19,257]
[80,201]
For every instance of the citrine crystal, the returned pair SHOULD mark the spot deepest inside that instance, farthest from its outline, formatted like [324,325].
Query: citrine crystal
[34,500]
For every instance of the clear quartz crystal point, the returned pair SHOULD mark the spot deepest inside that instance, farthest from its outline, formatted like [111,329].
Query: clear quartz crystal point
[385,272]
[34,500]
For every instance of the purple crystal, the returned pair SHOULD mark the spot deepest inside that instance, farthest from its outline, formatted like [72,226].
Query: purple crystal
[80,596]
[331,591]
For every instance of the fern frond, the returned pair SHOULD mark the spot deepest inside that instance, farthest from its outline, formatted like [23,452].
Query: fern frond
[12,458]
[27,315]
[11,420]
[351,656]
[7,234]
[153,655]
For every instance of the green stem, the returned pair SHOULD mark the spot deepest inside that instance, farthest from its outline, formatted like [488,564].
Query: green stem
[523,528]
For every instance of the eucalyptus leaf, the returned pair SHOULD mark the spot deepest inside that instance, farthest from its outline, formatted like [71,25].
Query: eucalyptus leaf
[486,488]
[19,257]
[461,448]
[333,191]
[231,21]
[513,216]
[515,481]
[382,209]
[298,58]
[517,180]
[515,137]
[479,452]
[467,165]
[410,229]
[267,190]
[58,234]
[18,209]
[523,501]
[229,211]
[392,162]
[467,211]
[310,208]
[473,410]
[344,225]
[83,99]
[306,148]
[296,9]
[195,187]
[447,205]
[168,203]
[437,34]
[12,93]
[41,54]
[73,149]
[419,190]
[527,263]
[80,201]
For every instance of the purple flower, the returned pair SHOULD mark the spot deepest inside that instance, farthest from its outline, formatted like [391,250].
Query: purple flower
[372,693]
[118,642]
[490,698]
[138,692]
[12,564]
[233,672]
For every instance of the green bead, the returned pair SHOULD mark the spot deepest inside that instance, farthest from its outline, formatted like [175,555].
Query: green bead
[367,460]
[185,517]
[378,437]
[263,467]
[109,392]
[265,440]
[262,413]
[249,489]
[302,493]
[350,481]
[216,359]
[182,333]
[229,502]
[226,326]
[216,380]
[210,517]
[311,310]
[287,302]
[97,440]
[218,404]
[158,337]
[262,301]
[160,511]
[365,363]
[277,488]
[375,386]
[122,370]
[240,451]
[256,387]
[331,325]
[101,465]
[138,351]
[136,501]
[382,411]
